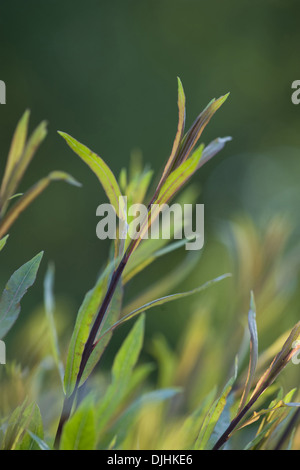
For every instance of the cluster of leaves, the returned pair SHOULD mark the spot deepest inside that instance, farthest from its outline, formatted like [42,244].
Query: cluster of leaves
[109,413]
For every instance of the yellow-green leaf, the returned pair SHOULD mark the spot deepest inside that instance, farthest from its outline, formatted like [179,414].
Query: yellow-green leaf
[101,170]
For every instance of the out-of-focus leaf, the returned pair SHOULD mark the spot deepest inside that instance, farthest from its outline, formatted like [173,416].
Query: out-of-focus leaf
[163,300]
[30,149]
[253,351]
[260,436]
[30,195]
[213,415]
[126,420]
[191,425]
[40,442]
[14,290]
[35,425]
[166,284]
[18,423]
[101,170]
[3,242]
[79,432]
[122,368]
[49,303]
[15,153]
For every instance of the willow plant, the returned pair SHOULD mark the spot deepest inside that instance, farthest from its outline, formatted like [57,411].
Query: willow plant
[100,312]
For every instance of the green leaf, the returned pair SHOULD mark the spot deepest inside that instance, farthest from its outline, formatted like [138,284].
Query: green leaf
[163,300]
[3,242]
[112,315]
[166,284]
[49,303]
[192,136]
[101,170]
[260,436]
[15,289]
[122,368]
[79,432]
[85,317]
[22,419]
[15,153]
[213,415]
[179,134]
[40,442]
[253,351]
[212,149]
[30,149]
[34,426]
[27,198]
[126,420]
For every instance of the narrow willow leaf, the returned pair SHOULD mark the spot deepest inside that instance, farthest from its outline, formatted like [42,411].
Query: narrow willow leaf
[261,435]
[49,303]
[35,425]
[163,300]
[79,432]
[122,368]
[3,242]
[14,290]
[18,422]
[192,136]
[212,149]
[166,284]
[30,196]
[179,134]
[101,170]
[16,151]
[30,149]
[170,187]
[192,424]
[253,351]
[85,317]
[128,417]
[289,349]
[178,177]
[214,414]
[134,269]
[40,442]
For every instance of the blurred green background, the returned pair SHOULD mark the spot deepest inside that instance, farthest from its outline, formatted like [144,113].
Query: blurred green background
[105,72]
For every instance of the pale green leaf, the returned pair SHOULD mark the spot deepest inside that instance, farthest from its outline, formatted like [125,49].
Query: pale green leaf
[163,300]
[79,432]
[213,415]
[3,242]
[15,289]
[253,351]
[122,368]
[49,303]
[101,170]
[15,153]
